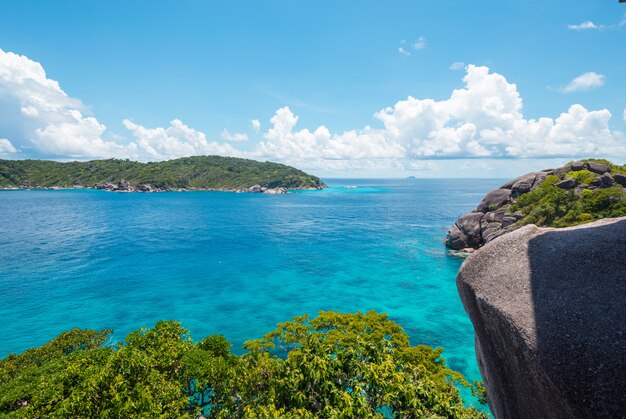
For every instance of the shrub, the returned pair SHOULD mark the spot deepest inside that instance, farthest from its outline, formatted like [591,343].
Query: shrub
[581,176]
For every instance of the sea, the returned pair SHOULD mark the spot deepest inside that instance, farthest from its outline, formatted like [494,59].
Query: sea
[235,264]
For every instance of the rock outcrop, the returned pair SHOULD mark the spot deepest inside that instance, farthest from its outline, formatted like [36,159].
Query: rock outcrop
[549,313]
[492,218]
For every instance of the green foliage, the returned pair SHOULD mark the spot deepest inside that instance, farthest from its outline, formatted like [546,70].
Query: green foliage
[202,172]
[615,168]
[581,177]
[334,365]
[555,207]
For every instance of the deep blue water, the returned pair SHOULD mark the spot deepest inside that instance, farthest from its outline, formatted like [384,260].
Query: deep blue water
[235,264]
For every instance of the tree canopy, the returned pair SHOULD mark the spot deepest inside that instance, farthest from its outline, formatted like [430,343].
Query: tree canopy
[201,172]
[333,365]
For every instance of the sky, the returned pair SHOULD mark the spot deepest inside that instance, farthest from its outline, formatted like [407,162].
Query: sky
[336,88]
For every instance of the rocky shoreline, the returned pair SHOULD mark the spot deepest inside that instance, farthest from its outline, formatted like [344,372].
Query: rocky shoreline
[493,216]
[146,188]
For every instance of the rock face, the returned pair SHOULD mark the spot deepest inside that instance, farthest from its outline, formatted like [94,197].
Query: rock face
[549,313]
[491,218]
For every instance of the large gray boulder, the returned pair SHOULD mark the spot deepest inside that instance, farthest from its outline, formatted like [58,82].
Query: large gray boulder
[621,179]
[466,232]
[494,200]
[598,168]
[568,183]
[525,183]
[549,314]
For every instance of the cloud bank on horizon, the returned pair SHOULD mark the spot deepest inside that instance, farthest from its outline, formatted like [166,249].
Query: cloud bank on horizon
[483,119]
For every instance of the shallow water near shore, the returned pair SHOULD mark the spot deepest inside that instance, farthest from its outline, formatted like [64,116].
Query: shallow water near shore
[235,264]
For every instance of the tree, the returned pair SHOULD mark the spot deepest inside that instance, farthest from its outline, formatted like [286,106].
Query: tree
[334,365]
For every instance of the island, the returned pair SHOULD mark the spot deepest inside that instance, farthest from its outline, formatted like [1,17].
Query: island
[212,173]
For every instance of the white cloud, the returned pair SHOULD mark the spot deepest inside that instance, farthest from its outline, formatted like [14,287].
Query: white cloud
[420,43]
[39,116]
[404,52]
[456,66]
[177,140]
[584,82]
[29,111]
[6,146]
[624,115]
[235,137]
[587,25]
[483,119]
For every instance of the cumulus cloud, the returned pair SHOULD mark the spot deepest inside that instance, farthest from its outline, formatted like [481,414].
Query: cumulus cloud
[420,43]
[38,115]
[587,25]
[584,82]
[483,119]
[457,66]
[6,146]
[624,115]
[177,140]
[235,137]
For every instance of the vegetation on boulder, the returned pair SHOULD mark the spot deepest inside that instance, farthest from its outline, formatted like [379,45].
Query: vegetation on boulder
[200,172]
[579,192]
[551,206]
[334,365]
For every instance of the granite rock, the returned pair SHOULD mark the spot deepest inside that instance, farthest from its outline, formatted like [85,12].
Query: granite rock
[496,198]
[547,307]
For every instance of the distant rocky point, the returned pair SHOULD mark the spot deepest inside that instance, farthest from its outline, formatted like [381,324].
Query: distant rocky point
[209,173]
[576,193]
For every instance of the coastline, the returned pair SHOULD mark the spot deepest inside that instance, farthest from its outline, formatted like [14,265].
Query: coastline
[150,189]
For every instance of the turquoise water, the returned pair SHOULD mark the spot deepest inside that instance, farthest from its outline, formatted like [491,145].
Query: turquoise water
[235,264]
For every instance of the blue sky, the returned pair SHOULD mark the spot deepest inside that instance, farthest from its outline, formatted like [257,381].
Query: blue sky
[156,79]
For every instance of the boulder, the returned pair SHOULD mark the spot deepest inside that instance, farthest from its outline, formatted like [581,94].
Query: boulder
[521,188]
[607,180]
[566,184]
[598,168]
[455,239]
[596,183]
[255,188]
[496,198]
[508,220]
[466,232]
[276,191]
[493,234]
[621,179]
[122,187]
[577,166]
[494,216]
[143,188]
[547,307]
[562,170]
[527,178]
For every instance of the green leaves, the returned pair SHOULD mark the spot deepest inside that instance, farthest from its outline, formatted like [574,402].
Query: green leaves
[204,172]
[334,365]
[551,206]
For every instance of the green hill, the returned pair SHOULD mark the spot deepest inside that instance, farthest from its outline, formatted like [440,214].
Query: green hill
[201,172]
